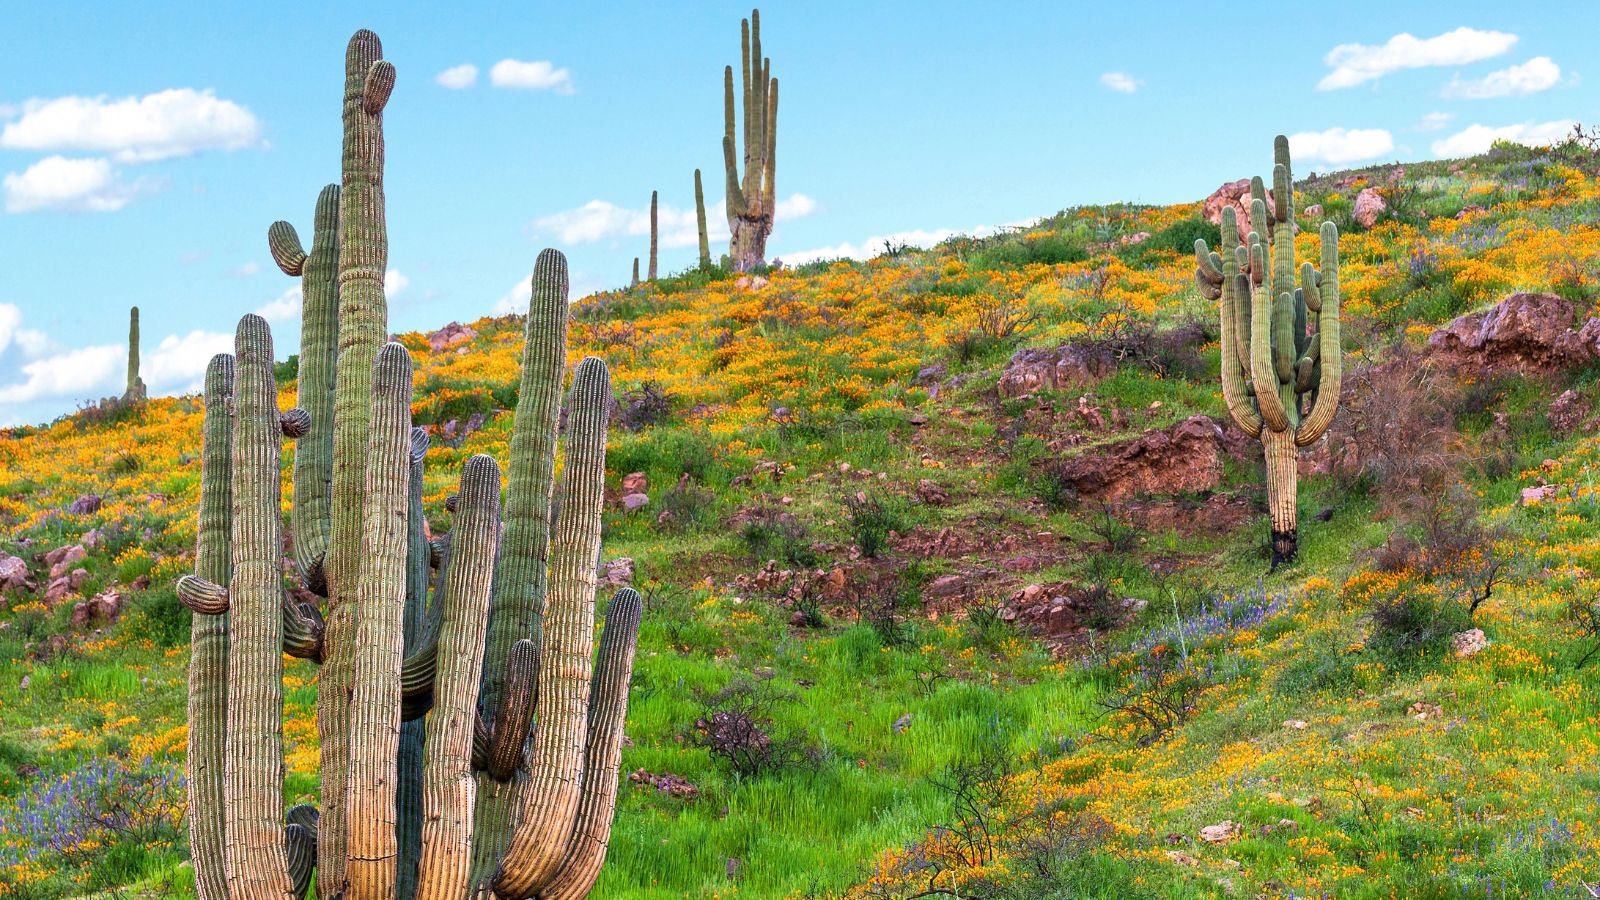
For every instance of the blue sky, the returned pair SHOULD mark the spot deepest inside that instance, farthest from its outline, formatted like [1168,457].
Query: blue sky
[145,148]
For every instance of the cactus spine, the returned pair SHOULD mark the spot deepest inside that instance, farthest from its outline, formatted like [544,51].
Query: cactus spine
[654,233]
[751,198]
[135,392]
[700,221]
[1281,356]
[506,634]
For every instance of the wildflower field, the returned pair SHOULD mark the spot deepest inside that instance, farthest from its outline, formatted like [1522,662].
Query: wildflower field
[1219,731]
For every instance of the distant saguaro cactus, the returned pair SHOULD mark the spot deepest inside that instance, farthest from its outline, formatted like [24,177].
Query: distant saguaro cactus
[135,392]
[1281,357]
[700,221]
[654,236]
[499,660]
[751,199]
[635,282]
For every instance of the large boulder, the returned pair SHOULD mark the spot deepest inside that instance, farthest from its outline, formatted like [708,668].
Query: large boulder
[1046,369]
[1237,195]
[450,336]
[1183,458]
[1369,207]
[14,575]
[1528,333]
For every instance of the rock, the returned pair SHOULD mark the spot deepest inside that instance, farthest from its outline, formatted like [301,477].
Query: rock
[14,574]
[931,374]
[1182,858]
[901,724]
[100,609]
[636,501]
[1296,724]
[1288,825]
[1138,237]
[449,336]
[1237,195]
[86,504]
[76,578]
[1313,212]
[1528,333]
[1568,412]
[91,538]
[635,483]
[1221,832]
[60,560]
[929,492]
[666,784]
[1069,365]
[1533,496]
[1422,711]
[750,283]
[617,573]
[946,586]
[1468,643]
[1186,457]
[57,589]
[1369,207]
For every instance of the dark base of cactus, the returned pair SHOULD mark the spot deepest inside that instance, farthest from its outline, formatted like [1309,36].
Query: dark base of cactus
[1285,545]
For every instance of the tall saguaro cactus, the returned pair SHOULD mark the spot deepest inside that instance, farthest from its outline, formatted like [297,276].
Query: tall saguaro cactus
[751,197]
[135,392]
[499,661]
[1281,356]
[654,232]
[700,221]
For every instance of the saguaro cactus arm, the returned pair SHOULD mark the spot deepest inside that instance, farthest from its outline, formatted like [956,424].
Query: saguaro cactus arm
[1329,352]
[553,789]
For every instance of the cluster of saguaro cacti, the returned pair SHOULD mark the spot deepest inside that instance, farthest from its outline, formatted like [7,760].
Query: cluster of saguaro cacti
[750,198]
[1281,356]
[469,739]
[135,391]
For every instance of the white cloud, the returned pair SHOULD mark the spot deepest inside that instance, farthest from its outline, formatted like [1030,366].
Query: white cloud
[1355,64]
[515,300]
[250,268]
[10,324]
[1538,74]
[78,374]
[601,219]
[69,185]
[1476,139]
[537,75]
[169,123]
[178,364]
[1435,121]
[457,78]
[394,283]
[1341,145]
[1121,82]
[283,308]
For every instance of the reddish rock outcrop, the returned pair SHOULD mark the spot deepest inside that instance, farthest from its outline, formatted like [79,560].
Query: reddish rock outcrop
[1237,195]
[1186,457]
[1528,333]
[449,336]
[1044,369]
[1369,207]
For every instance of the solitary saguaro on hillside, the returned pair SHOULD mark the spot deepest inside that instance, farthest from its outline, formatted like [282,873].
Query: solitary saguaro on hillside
[135,391]
[654,236]
[1281,367]
[700,221]
[470,735]
[750,194]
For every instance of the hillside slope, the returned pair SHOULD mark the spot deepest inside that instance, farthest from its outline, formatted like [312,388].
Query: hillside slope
[1003,619]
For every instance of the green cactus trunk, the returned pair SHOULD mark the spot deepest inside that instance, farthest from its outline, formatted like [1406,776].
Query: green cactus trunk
[363,325]
[654,235]
[208,640]
[751,197]
[135,392]
[254,855]
[1280,378]
[700,221]
[413,733]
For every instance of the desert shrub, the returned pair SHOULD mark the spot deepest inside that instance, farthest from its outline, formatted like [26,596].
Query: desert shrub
[771,533]
[1109,523]
[156,614]
[1414,624]
[287,370]
[986,629]
[738,726]
[665,454]
[871,521]
[1158,699]
[441,401]
[1003,316]
[1323,669]
[1396,429]
[687,505]
[1013,251]
[107,413]
[643,406]
[1583,614]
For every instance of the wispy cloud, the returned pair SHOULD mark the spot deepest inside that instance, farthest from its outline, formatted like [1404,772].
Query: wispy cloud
[1121,82]
[70,185]
[537,75]
[1355,64]
[1538,74]
[457,78]
[1436,121]
[176,122]
[1476,139]
[1341,145]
